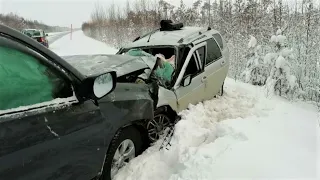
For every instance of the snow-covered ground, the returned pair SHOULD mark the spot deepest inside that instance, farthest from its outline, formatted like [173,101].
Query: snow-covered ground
[243,134]
[240,135]
[80,44]
[57,33]
[52,37]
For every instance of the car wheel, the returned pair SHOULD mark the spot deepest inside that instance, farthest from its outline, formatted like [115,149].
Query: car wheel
[157,126]
[126,145]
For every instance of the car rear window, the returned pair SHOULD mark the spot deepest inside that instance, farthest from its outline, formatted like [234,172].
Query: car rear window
[214,52]
[218,38]
[29,32]
[36,33]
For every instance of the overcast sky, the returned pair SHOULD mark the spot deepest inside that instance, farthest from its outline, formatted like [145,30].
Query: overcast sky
[61,12]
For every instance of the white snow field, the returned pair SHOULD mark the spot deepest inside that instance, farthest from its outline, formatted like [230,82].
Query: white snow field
[242,135]
[80,44]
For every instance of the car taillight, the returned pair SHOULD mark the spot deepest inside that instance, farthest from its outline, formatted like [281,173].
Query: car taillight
[42,39]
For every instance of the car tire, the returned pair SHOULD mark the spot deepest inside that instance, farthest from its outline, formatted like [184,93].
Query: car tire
[129,135]
[158,124]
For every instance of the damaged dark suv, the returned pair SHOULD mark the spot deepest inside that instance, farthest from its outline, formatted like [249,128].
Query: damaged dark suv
[59,121]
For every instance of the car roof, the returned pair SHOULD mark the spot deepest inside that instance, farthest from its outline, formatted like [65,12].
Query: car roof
[31,29]
[18,36]
[170,38]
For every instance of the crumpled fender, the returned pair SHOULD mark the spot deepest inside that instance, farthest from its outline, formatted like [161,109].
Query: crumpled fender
[167,97]
[128,102]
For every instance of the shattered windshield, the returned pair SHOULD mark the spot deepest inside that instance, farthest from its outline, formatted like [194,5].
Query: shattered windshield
[163,68]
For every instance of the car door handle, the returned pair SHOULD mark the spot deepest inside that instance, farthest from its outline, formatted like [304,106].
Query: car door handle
[204,79]
[222,63]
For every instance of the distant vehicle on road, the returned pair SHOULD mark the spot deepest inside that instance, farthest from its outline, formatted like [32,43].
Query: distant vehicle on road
[38,35]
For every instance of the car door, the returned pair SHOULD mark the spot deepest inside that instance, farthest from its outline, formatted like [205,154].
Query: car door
[193,92]
[45,133]
[215,68]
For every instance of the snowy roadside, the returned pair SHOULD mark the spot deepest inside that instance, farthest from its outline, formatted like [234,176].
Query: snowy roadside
[57,33]
[55,36]
[239,135]
[243,134]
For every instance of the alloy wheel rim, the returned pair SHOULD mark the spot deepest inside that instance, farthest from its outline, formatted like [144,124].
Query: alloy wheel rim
[157,126]
[124,153]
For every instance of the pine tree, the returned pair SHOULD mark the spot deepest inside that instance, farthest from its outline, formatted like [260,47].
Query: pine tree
[280,80]
[255,72]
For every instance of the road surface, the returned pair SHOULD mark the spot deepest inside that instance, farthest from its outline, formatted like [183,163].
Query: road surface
[52,37]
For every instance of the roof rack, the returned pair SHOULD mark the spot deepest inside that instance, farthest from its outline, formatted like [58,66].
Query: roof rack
[192,35]
[168,25]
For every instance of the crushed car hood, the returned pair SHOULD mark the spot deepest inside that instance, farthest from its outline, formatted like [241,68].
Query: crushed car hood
[90,65]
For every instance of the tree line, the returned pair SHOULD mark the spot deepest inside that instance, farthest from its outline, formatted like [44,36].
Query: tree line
[238,21]
[17,22]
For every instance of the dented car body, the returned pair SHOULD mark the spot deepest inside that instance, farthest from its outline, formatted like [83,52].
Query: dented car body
[79,131]
[201,62]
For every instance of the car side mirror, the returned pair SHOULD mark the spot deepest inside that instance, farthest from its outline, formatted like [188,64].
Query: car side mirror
[186,81]
[46,34]
[103,85]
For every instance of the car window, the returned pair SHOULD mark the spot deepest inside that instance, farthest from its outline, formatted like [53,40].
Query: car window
[192,67]
[214,52]
[36,33]
[218,38]
[202,55]
[29,32]
[25,81]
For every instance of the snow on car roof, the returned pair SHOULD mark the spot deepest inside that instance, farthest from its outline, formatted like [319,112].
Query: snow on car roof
[31,29]
[165,37]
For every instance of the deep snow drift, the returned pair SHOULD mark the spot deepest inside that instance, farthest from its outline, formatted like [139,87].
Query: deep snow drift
[240,135]
[243,134]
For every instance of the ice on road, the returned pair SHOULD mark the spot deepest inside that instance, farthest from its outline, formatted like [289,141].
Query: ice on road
[80,44]
[243,134]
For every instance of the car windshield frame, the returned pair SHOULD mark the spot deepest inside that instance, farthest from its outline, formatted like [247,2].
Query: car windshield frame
[176,53]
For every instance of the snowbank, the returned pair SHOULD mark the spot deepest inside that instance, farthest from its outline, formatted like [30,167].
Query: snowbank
[239,135]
